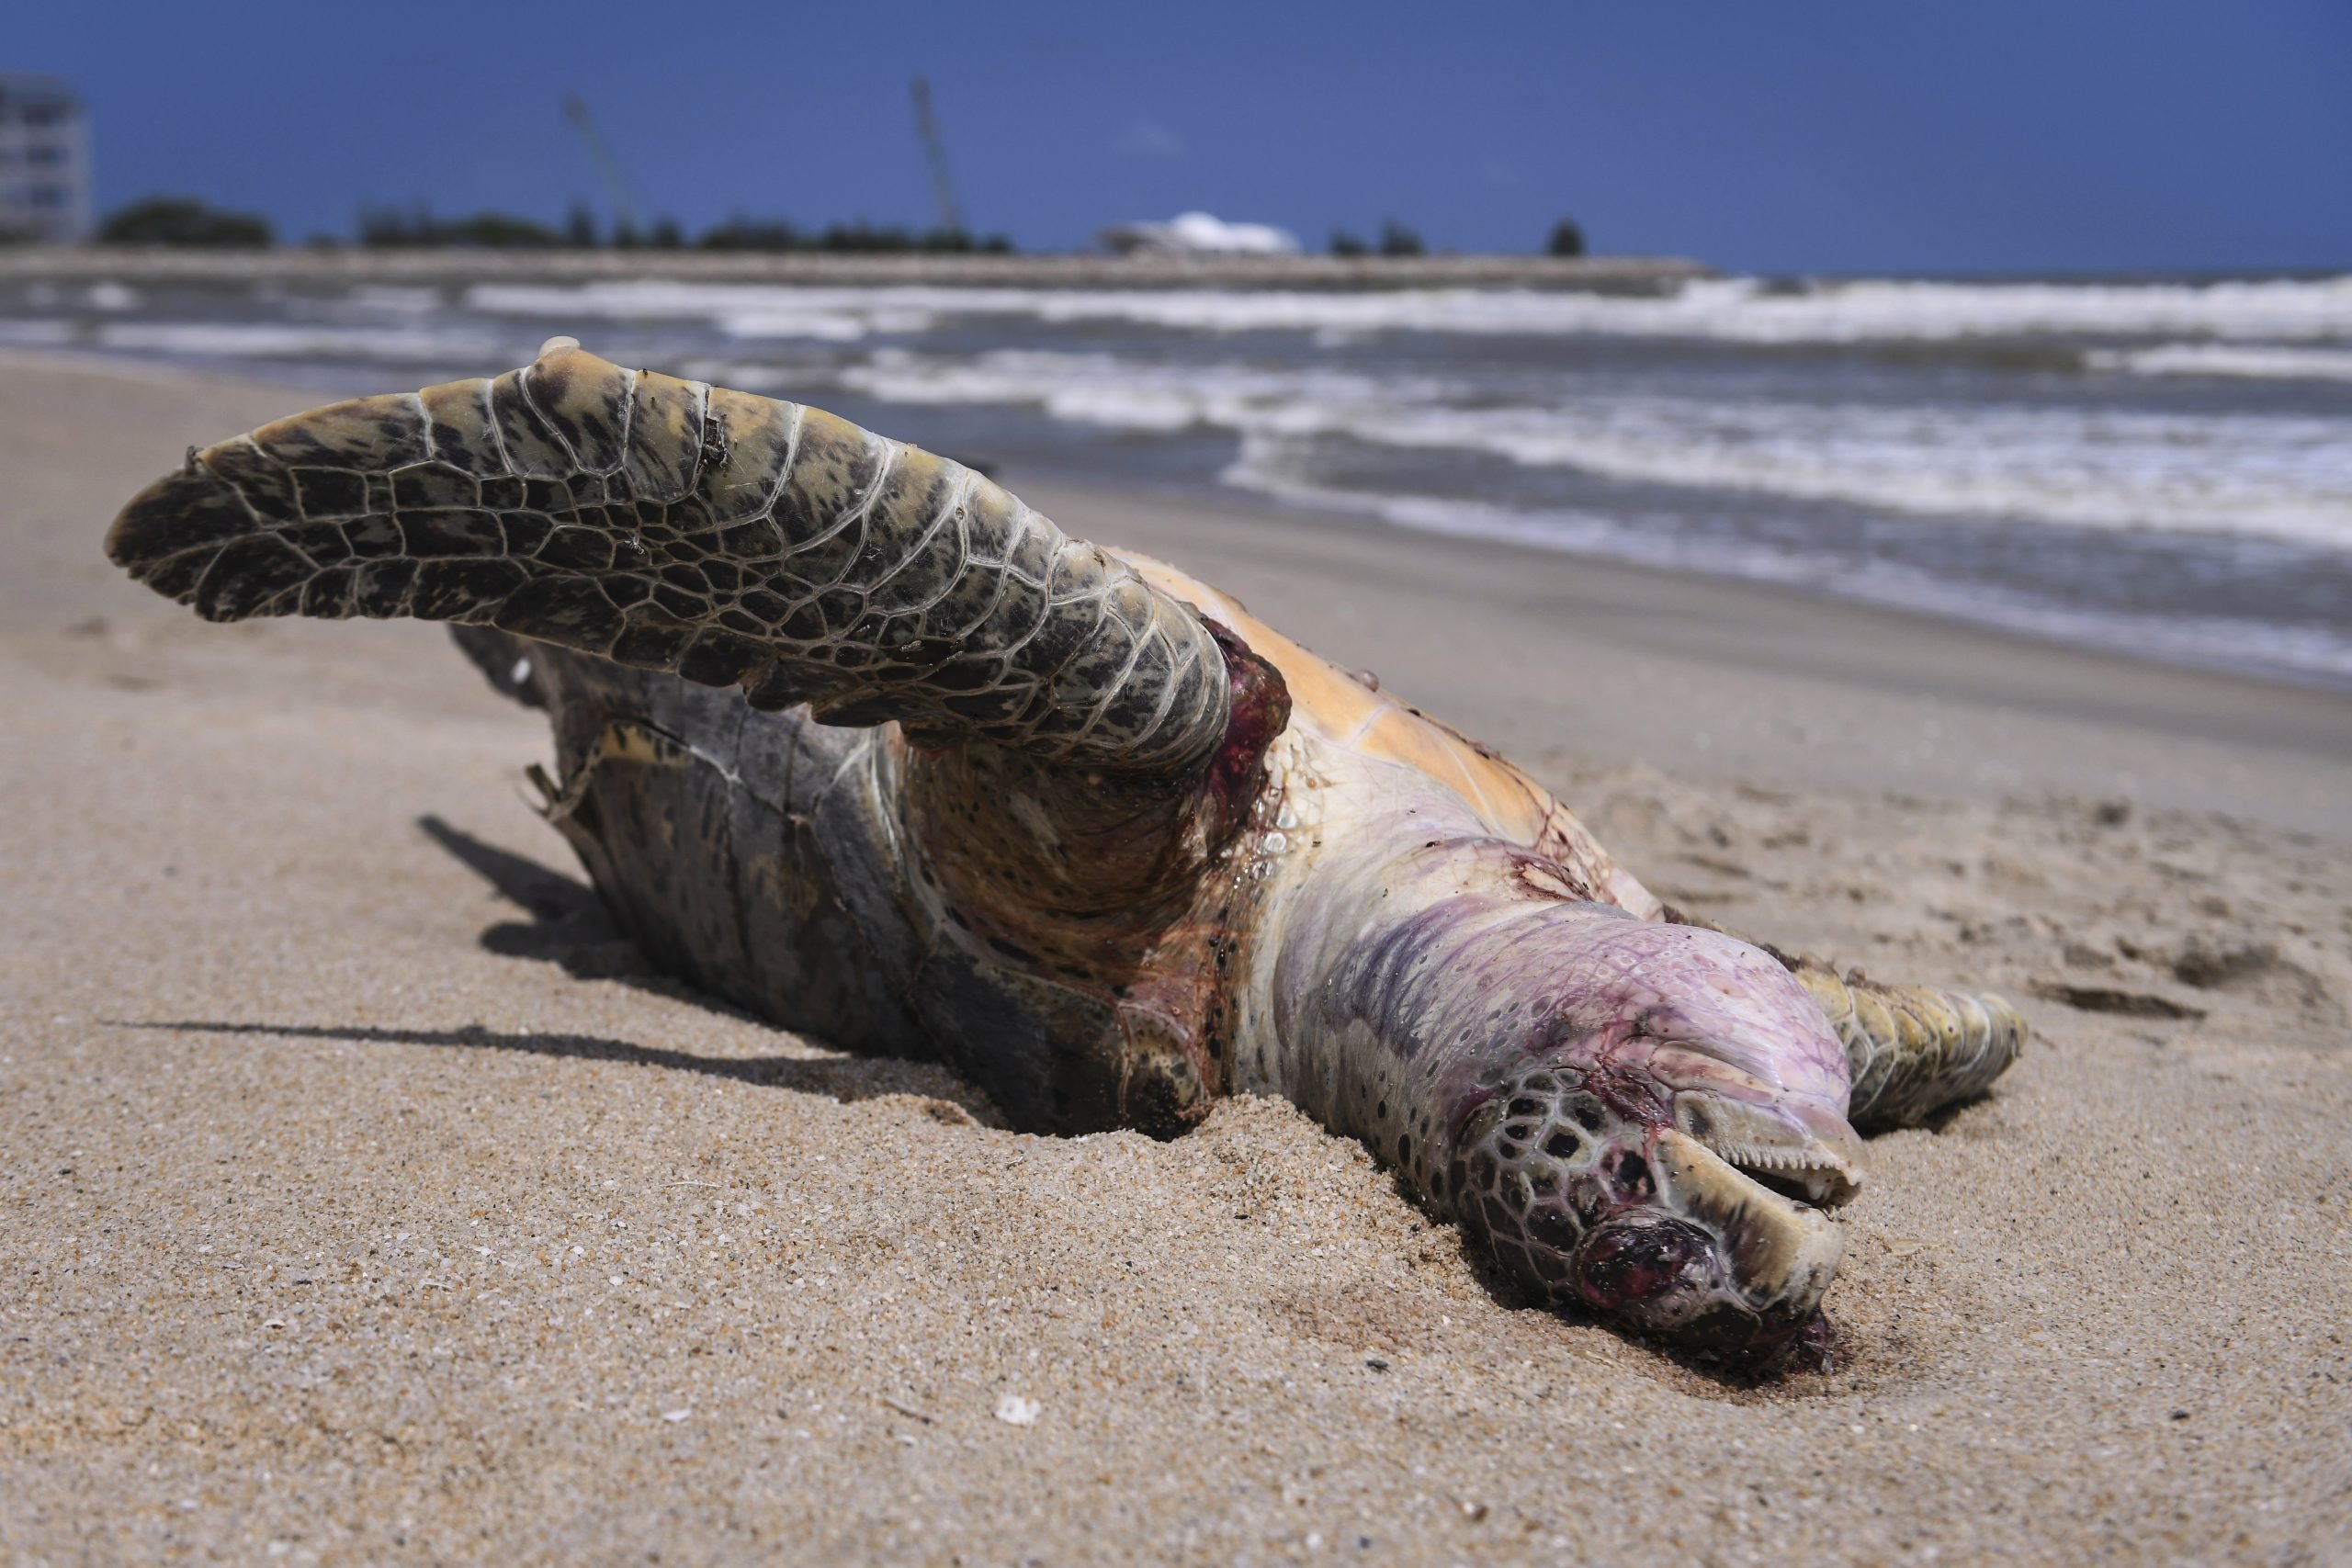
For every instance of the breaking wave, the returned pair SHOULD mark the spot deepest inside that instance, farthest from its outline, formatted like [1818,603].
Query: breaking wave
[1740,310]
[259,340]
[225,340]
[2254,361]
[2160,466]
[2268,476]
[2298,649]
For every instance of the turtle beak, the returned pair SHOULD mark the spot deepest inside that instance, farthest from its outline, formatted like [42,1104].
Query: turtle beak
[1804,1150]
[1715,1260]
[1779,1254]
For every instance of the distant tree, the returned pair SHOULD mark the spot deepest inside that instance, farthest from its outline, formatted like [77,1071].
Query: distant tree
[580,227]
[1395,240]
[1345,243]
[862,238]
[183,221]
[665,235]
[1567,237]
[957,242]
[388,227]
[495,231]
[742,234]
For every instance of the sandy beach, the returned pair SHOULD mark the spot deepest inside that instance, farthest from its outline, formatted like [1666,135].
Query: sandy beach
[367,1200]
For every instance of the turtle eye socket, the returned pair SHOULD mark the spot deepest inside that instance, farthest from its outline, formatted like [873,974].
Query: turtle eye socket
[1535,1170]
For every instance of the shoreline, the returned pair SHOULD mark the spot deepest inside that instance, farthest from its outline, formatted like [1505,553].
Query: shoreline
[2114,647]
[1634,275]
[1788,627]
[1809,688]
[1806,686]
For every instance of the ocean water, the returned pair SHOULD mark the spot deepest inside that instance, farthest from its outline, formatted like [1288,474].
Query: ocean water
[2161,467]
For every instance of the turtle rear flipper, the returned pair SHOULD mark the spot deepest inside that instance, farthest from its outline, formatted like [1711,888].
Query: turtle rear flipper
[1910,1050]
[734,540]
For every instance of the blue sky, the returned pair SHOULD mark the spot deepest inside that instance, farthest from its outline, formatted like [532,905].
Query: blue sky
[1994,135]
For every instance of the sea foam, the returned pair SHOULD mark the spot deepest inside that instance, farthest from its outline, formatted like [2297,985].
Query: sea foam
[1747,311]
[2271,476]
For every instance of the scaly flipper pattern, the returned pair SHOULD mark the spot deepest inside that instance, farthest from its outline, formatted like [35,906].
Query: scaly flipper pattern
[668,525]
[1911,1050]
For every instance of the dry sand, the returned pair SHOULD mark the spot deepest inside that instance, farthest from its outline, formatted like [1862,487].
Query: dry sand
[359,1202]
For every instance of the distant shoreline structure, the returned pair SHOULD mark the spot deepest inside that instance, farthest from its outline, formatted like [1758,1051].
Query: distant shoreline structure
[135,264]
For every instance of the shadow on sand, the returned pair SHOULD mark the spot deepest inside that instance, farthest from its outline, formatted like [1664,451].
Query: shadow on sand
[567,926]
[843,1079]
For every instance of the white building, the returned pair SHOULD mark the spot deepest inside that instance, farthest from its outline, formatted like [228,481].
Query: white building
[1199,234]
[44,162]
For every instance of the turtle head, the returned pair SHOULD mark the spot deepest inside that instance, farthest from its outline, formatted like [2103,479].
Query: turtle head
[1664,1148]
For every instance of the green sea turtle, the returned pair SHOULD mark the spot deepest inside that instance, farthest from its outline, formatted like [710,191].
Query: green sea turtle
[848,736]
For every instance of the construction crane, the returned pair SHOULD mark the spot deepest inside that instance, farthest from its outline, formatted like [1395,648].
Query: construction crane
[575,110]
[950,217]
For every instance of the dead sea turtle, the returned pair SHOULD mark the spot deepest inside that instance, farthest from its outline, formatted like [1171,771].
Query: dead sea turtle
[848,736]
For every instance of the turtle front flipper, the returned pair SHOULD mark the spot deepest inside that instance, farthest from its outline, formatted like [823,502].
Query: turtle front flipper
[1028,888]
[734,540]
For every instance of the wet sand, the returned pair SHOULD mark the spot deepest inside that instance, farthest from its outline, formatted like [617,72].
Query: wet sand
[362,1200]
